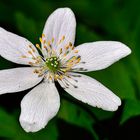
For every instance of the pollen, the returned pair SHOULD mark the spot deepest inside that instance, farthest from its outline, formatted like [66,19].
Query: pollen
[76,51]
[23,56]
[40,39]
[53,64]
[43,35]
[38,46]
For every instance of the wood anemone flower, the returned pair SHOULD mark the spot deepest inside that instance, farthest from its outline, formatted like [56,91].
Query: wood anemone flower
[58,60]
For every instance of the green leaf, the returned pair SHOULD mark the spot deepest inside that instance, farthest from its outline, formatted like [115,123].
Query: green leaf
[131,109]
[85,35]
[27,26]
[77,116]
[7,123]
[102,114]
[5,64]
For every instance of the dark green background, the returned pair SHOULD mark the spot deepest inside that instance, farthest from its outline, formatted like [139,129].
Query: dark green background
[117,20]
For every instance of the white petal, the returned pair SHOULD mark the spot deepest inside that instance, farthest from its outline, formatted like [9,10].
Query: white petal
[60,23]
[13,47]
[90,91]
[18,79]
[100,55]
[39,106]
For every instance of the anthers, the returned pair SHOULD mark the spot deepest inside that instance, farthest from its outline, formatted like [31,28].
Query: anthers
[57,58]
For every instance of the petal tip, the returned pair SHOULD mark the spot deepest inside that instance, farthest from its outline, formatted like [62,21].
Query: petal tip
[129,51]
[116,105]
[126,49]
[30,126]
[64,8]
[114,109]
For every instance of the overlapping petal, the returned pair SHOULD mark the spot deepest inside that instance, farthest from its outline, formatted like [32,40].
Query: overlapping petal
[99,55]
[16,49]
[60,23]
[90,91]
[18,79]
[39,106]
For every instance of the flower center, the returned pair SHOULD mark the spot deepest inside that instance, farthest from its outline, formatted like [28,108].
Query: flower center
[52,63]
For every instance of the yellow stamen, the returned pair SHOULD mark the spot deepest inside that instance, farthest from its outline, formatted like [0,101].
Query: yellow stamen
[61,40]
[50,77]
[30,52]
[44,42]
[64,54]
[53,52]
[52,40]
[60,51]
[60,77]
[78,60]
[76,51]
[63,37]
[49,43]
[41,40]
[43,35]
[23,56]
[56,76]
[45,47]
[30,63]
[36,71]
[70,44]
[32,48]
[72,47]
[38,46]
[67,47]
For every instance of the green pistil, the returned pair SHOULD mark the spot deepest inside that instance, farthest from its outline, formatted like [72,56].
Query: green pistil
[52,63]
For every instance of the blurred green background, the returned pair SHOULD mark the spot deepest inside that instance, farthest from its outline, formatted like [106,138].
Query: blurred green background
[96,20]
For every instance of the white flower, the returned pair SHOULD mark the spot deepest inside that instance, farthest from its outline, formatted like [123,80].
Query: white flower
[59,62]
